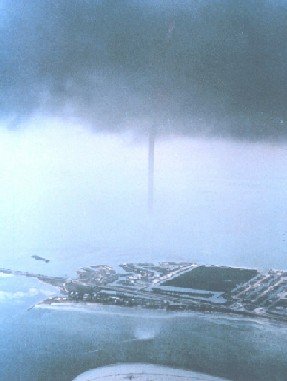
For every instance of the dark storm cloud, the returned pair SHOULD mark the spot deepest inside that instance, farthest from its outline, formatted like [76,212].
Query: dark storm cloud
[112,63]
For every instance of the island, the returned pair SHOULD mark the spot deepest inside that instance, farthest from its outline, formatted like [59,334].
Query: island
[174,286]
[38,258]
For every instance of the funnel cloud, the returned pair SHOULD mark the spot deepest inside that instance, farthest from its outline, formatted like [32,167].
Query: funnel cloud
[194,67]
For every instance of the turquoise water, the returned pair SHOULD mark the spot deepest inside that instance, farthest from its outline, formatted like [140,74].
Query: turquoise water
[54,345]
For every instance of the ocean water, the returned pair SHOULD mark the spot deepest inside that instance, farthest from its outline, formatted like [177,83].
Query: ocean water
[79,198]
[58,345]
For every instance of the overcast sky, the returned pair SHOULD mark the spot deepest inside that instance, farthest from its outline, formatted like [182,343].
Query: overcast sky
[211,67]
[195,69]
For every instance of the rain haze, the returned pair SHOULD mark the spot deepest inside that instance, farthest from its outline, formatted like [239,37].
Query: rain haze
[82,82]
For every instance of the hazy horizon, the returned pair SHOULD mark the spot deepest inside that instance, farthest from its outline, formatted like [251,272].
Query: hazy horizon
[67,190]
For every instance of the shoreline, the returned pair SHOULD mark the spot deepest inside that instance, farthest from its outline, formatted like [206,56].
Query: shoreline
[105,309]
[145,286]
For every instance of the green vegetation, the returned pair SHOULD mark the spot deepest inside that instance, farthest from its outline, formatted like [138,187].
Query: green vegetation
[211,278]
